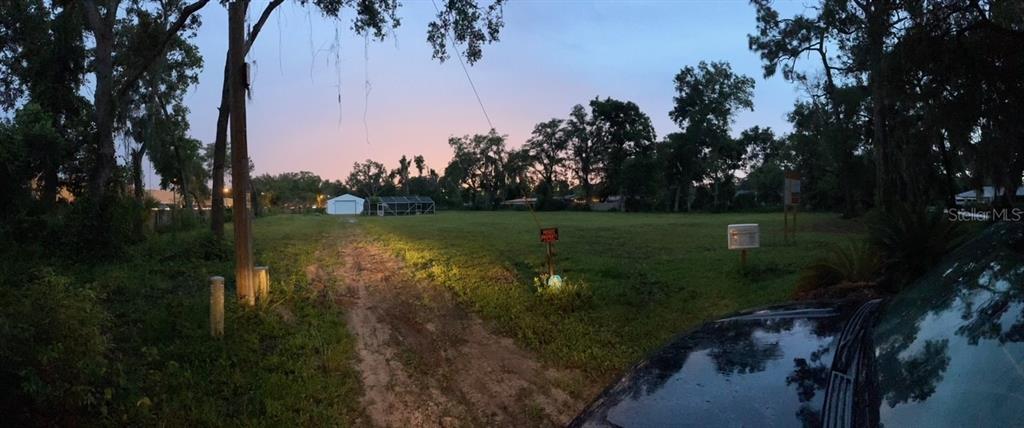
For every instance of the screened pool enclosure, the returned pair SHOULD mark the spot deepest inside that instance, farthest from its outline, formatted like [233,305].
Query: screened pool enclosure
[401,205]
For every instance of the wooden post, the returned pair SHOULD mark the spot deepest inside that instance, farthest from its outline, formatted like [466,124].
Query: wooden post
[262,275]
[785,222]
[551,262]
[216,306]
[743,258]
[794,230]
[239,153]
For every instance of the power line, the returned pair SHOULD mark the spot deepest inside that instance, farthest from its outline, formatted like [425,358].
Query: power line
[464,69]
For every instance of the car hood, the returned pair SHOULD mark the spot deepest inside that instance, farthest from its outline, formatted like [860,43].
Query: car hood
[767,367]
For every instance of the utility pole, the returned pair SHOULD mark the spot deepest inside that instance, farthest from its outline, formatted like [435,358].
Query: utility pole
[238,76]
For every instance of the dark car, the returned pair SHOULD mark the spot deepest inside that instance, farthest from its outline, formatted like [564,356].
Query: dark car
[949,351]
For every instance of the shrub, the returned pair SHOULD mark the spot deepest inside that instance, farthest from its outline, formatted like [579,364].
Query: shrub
[852,262]
[910,241]
[53,365]
[567,296]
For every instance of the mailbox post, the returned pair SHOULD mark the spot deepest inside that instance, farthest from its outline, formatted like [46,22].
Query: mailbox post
[743,237]
[549,236]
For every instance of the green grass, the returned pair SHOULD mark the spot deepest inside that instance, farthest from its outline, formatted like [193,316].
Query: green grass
[650,276]
[283,364]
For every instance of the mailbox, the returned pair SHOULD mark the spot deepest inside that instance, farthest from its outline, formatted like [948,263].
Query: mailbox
[744,236]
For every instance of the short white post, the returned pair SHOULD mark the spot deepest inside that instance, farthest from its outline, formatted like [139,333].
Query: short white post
[217,306]
[262,274]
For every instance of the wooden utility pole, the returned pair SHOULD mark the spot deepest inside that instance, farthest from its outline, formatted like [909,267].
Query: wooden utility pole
[240,153]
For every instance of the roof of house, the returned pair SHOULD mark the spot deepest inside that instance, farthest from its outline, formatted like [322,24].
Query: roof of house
[165,197]
[519,201]
[413,199]
[347,196]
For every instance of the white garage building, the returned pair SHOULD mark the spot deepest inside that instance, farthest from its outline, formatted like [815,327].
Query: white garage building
[346,205]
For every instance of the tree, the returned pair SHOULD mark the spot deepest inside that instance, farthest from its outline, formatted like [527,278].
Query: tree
[458,21]
[862,32]
[585,149]
[623,131]
[24,142]
[479,169]
[420,164]
[156,118]
[402,174]
[546,149]
[293,190]
[683,164]
[43,62]
[114,80]
[707,99]
[766,162]
[367,178]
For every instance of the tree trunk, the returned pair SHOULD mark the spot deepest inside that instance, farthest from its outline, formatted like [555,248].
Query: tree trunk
[220,142]
[679,191]
[103,101]
[239,155]
[220,145]
[139,186]
[50,184]
[886,190]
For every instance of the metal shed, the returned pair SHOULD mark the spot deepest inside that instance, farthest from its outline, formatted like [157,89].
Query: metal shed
[402,205]
[346,205]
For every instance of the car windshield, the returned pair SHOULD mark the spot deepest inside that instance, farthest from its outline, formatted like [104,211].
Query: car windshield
[950,350]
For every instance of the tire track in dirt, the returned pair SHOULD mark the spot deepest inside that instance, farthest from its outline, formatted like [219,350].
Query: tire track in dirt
[425,361]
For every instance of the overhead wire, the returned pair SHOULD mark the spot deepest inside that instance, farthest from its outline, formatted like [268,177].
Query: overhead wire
[479,100]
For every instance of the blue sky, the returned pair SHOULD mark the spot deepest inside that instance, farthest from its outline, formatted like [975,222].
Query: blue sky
[552,55]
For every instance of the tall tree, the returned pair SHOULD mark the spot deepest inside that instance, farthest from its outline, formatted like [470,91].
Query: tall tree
[683,164]
[402,174]
[116,75]
[624,131]
[546,148]
[43,62]
[706,102]
[862,32]
[368,178]
[420,164]
[585,149]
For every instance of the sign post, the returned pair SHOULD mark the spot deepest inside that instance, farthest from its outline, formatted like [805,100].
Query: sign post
[790,204]
[549,235]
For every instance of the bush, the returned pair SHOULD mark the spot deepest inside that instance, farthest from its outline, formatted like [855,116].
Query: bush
[910,241]
[53,365]
[101,229]
[566,296]
[853,262]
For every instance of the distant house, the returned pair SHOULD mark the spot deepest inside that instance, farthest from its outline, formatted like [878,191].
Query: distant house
[988,194]
[613,202]
[165,199]
[520,202]
[346,205]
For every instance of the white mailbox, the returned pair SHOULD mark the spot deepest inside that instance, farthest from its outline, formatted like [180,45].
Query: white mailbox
[744,236]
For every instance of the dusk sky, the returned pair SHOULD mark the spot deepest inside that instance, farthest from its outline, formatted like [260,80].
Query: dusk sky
[552,55]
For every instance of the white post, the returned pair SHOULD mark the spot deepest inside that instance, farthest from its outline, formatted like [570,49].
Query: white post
[262,275]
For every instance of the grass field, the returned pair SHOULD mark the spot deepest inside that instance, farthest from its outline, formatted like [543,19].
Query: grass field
[130,338]
[650,276]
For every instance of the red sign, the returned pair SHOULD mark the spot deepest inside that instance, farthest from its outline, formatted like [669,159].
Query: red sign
[549,234]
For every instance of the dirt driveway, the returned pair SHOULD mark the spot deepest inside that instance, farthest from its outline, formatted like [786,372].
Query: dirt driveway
[425,361]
